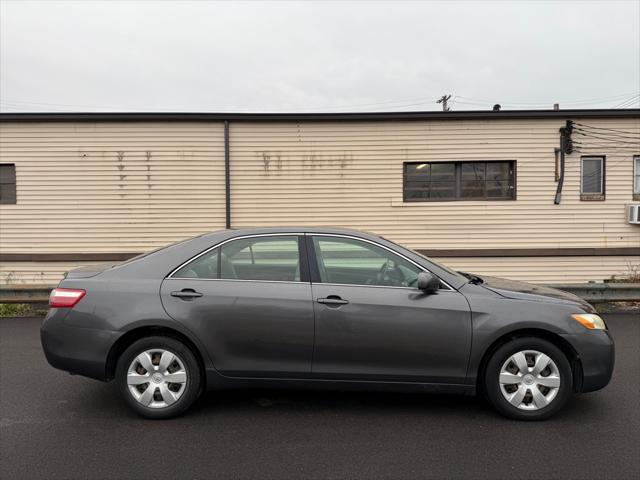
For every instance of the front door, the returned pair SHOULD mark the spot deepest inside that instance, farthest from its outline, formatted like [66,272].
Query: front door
[373,323]
[249,301]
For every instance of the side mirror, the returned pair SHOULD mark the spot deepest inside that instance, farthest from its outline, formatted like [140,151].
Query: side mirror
[428,282]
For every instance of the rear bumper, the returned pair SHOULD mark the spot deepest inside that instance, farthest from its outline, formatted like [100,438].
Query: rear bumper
[77,350]
[597,357]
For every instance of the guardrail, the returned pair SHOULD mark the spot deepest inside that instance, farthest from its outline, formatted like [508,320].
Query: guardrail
[592,292]
[25,293]
[603,292]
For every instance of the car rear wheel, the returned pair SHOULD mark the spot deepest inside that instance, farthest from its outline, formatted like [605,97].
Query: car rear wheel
[159,377]
[528,378]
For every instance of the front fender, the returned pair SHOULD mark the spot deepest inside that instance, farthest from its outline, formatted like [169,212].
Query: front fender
[494,316]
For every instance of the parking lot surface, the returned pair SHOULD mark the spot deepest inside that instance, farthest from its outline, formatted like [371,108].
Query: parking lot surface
[53,425]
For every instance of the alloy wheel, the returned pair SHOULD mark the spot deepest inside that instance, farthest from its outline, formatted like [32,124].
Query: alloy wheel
[529,380]
[157,378]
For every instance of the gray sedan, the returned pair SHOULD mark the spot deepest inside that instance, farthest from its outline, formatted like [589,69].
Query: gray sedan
[328,308]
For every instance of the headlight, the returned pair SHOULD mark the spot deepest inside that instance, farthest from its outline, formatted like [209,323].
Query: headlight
[590,321]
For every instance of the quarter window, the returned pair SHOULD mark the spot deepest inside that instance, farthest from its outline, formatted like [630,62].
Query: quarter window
[354,262]
[442,181]
[592,178]
[7,183]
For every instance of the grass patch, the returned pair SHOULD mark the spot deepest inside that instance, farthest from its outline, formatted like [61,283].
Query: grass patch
[618,307]
[23,310]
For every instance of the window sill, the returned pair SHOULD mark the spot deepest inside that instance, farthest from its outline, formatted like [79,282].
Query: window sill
[592,197]
[417,203]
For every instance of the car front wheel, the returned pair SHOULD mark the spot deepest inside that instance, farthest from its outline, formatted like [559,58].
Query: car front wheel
[528,378]
[159,377]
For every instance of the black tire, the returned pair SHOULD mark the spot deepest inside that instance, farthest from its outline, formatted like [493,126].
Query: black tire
[192,387]
[492,373]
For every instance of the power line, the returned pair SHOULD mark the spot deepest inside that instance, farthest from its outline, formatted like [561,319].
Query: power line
[607,134]
[611,136]
[391,103]
[629,102]
[582,148]
[566,102]
[411,102]
[593,127]
[607,139]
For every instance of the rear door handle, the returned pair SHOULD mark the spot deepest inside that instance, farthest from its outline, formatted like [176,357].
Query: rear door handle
[333,300]
[186,294]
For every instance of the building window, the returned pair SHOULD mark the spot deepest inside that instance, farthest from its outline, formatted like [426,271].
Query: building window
[636,177]
[445,181]
[592,178]
[7,183]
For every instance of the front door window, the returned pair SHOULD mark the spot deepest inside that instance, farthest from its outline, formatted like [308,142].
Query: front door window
[354,262]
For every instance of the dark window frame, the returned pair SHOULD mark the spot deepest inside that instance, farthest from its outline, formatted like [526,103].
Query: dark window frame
[594,197]
[11,186]
[458,181]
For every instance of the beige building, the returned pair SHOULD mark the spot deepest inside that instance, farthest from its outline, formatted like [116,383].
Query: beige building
[541,196]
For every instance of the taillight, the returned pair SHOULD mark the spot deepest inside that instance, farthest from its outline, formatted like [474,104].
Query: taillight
[65,297]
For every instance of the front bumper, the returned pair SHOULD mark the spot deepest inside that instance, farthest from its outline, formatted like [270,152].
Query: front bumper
[75,349]
[596,351]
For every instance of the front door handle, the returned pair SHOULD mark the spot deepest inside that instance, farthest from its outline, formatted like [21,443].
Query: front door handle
[186,294]
[333,300]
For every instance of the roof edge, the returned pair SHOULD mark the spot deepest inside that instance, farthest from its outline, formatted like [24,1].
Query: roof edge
[283,117]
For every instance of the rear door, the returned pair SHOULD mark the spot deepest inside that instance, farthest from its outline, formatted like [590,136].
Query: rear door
[249,301]
[372,323]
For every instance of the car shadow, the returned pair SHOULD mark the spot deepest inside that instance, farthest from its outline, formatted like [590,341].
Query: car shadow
[103,400]
[346,403]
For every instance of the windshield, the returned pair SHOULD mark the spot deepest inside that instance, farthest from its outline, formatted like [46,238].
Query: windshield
[446,269]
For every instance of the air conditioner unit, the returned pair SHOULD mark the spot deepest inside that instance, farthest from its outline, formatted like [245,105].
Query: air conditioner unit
[633,214]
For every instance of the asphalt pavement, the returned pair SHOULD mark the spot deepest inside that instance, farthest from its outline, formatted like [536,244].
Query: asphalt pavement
[53,425]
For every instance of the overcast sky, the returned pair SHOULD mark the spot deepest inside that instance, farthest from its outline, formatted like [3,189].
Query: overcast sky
[306,56]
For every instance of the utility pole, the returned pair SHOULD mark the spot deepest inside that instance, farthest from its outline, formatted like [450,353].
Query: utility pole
[443,100]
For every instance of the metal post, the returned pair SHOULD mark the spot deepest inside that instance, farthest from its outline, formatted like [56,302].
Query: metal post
[227,176]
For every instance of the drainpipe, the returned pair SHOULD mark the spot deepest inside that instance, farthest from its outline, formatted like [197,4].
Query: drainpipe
[227,177]
[566,146]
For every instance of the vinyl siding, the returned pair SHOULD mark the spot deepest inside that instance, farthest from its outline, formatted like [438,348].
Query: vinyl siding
[134,186]
[111,187]
[36,273]
[350,174]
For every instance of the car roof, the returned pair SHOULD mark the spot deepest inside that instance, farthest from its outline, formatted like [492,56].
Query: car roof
[231,233]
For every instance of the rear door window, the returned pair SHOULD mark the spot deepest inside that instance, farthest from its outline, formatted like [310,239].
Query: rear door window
[274,258]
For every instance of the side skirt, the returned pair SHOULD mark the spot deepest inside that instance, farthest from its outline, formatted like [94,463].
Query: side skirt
[215,381]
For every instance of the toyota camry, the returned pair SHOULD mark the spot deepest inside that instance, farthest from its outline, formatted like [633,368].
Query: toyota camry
[316,307]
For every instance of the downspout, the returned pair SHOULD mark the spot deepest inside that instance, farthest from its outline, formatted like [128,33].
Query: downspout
[566,146]
[227,177]
[561,177]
